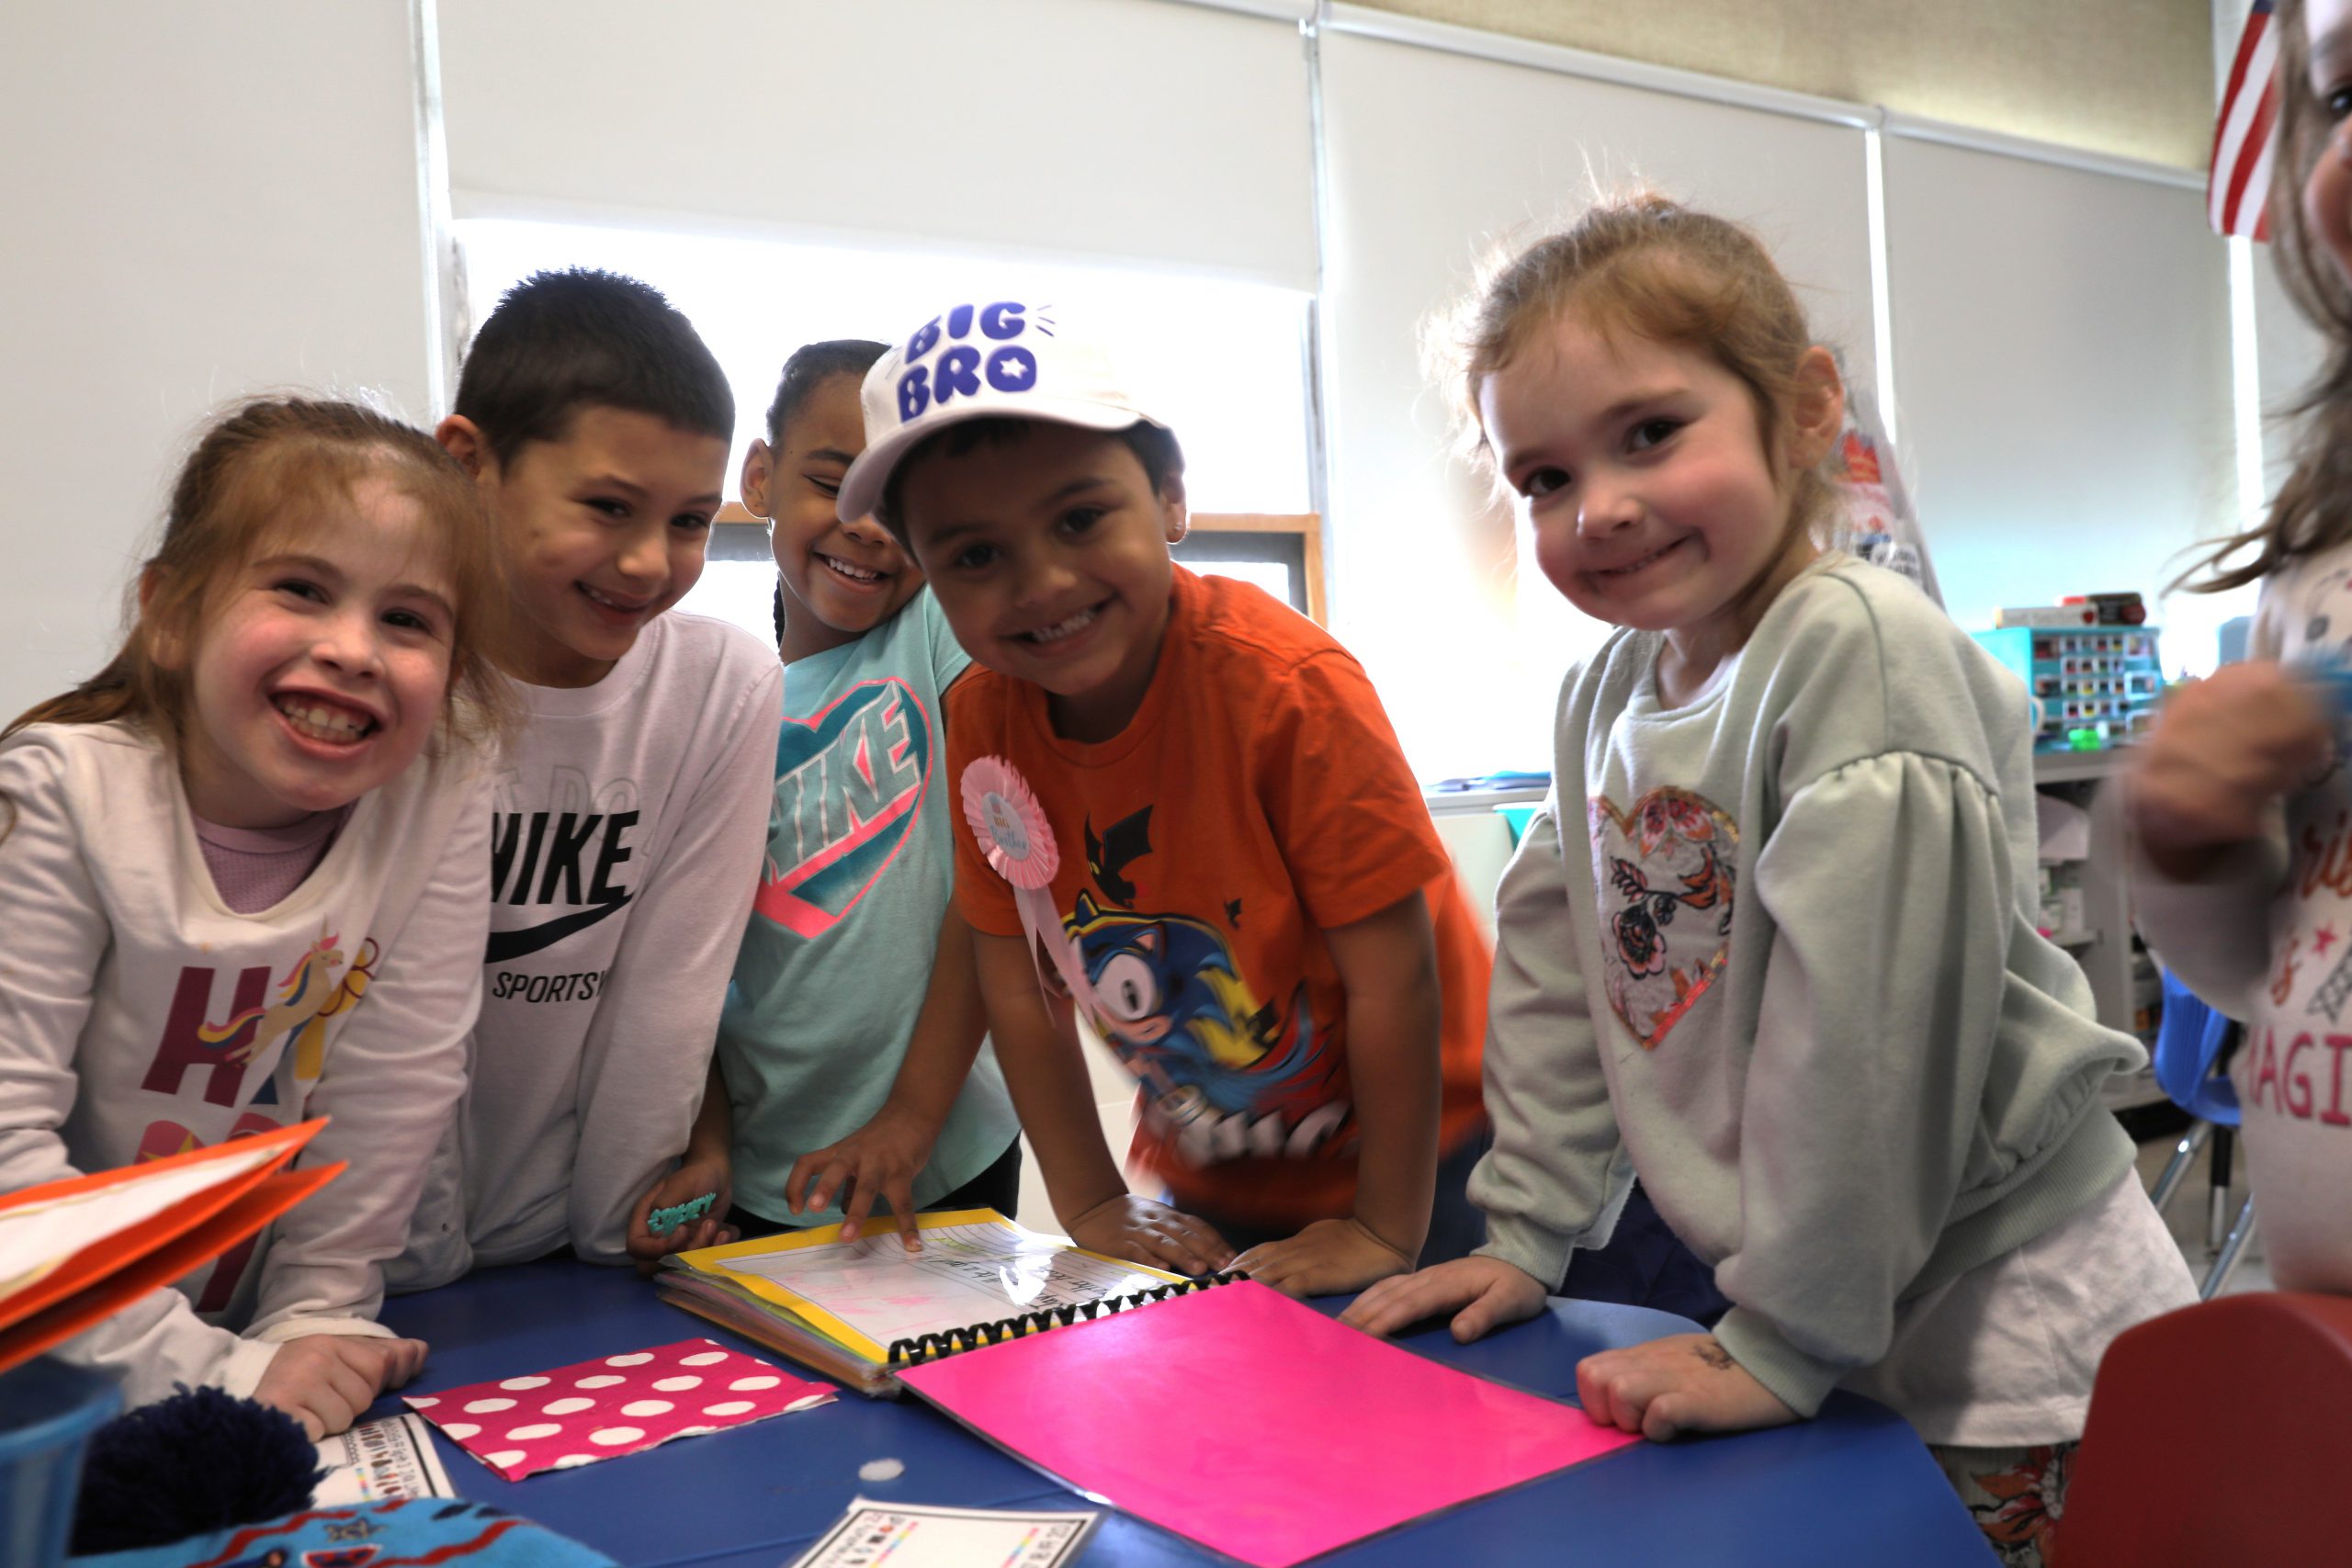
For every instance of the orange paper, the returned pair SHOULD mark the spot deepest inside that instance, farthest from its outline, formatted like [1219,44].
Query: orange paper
[73,1252]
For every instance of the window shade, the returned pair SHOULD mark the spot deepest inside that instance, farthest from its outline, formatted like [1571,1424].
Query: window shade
[1116,129]
[2061,365]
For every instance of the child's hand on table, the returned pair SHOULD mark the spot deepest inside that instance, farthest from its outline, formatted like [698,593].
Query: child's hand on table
[2223,749]
[684,1185]
[324,1381]
[879,1161]
[1329,1258]
[1144,1231]
[1684,1382]
[1488,1292]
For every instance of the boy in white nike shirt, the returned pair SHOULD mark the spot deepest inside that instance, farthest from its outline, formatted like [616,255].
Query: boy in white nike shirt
[631,809]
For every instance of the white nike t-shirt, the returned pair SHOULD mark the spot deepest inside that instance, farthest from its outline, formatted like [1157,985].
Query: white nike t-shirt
[630,822]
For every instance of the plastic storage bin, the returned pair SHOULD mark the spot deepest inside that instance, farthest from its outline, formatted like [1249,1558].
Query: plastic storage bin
[48,1410]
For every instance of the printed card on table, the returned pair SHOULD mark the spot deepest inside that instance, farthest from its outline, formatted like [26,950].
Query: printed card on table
[388,1460]
[920,1535]
[613,1406]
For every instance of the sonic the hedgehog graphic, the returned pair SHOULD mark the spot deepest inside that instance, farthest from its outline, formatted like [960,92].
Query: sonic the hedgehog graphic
[1173,1005]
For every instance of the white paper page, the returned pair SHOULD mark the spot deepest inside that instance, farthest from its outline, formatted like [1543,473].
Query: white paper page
[37,1237]
[382,1462]
[963,1275]
[918,1536]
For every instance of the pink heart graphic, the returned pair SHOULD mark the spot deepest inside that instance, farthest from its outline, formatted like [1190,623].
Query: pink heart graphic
[1667,876]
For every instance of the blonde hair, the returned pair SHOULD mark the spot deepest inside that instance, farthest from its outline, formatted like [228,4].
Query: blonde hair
[2312,511]
[253,474]
[1647,264]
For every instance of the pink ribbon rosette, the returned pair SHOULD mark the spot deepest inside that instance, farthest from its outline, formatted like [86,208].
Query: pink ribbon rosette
[1016,839]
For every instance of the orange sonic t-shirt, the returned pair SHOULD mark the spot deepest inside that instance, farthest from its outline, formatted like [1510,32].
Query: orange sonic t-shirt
[1257,799]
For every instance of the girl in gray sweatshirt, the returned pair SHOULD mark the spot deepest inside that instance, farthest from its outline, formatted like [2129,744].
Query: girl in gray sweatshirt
[1771,947]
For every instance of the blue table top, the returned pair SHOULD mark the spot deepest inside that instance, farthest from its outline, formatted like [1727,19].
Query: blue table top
[1854,1486]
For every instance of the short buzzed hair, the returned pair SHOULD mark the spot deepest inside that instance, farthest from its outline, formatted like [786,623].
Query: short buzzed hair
[561,342]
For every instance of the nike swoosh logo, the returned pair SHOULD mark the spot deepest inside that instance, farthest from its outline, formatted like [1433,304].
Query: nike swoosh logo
[506,946]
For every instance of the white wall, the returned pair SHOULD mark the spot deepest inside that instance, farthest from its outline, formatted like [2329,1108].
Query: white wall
[202,201]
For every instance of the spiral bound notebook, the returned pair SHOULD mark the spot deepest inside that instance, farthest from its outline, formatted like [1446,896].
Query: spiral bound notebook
[860,1311]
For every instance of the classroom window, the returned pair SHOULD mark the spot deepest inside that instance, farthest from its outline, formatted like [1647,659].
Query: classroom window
[1224,362]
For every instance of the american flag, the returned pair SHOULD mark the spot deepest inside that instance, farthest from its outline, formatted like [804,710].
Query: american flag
[2237,187]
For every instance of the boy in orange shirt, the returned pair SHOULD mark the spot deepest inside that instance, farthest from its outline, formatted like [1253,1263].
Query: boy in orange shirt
[1228,864]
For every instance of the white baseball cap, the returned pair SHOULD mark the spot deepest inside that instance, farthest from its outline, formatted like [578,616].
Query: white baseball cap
[989,357]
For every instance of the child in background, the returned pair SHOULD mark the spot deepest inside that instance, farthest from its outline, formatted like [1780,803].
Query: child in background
[2240,800]
[848,1077]
[1771,947]
[628,808]
[244,876]
[1252,906]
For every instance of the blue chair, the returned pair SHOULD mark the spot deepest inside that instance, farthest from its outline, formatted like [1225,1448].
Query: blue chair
[2191,1044]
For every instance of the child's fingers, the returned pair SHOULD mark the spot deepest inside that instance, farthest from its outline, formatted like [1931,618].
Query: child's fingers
[403,1359]
[1273,1265]
[1190,1245]
[1617,1388]
[1149,1241]
[796,1184]
[337,1410]
[1664,1418]
[1480,1317]
[1628,1403]
[855,1207]
[344,1390]
[1592,1389]
[1200,1237]
[900,1194]
[1388,1305]
[640,1212]
[1170,1253]
[836,1181]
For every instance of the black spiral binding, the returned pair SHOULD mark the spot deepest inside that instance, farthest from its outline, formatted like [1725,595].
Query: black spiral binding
[931,1347]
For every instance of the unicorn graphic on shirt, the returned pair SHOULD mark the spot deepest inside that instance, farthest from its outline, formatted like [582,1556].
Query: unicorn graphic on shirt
[306,990]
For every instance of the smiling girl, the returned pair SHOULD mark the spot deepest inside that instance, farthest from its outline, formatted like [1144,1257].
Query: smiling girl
[1771,945]
[245,882]
[850,1037]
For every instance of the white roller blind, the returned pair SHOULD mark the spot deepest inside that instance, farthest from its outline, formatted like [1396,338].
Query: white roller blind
[1136,129]
[2062,364]
[1429,151]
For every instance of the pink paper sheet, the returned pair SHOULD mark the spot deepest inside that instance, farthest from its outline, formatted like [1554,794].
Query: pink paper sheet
[1255,1424]
[613,1406]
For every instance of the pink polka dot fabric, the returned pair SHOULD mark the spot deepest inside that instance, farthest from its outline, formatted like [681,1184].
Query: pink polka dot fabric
[613,1406]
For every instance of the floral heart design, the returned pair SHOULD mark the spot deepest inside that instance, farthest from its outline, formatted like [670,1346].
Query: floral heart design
[849,789]
[1666,876]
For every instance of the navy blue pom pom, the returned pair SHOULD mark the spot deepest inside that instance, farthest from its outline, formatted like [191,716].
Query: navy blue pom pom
[200,1460]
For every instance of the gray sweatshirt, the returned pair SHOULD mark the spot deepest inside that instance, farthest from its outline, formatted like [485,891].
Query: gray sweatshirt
[1795,983]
